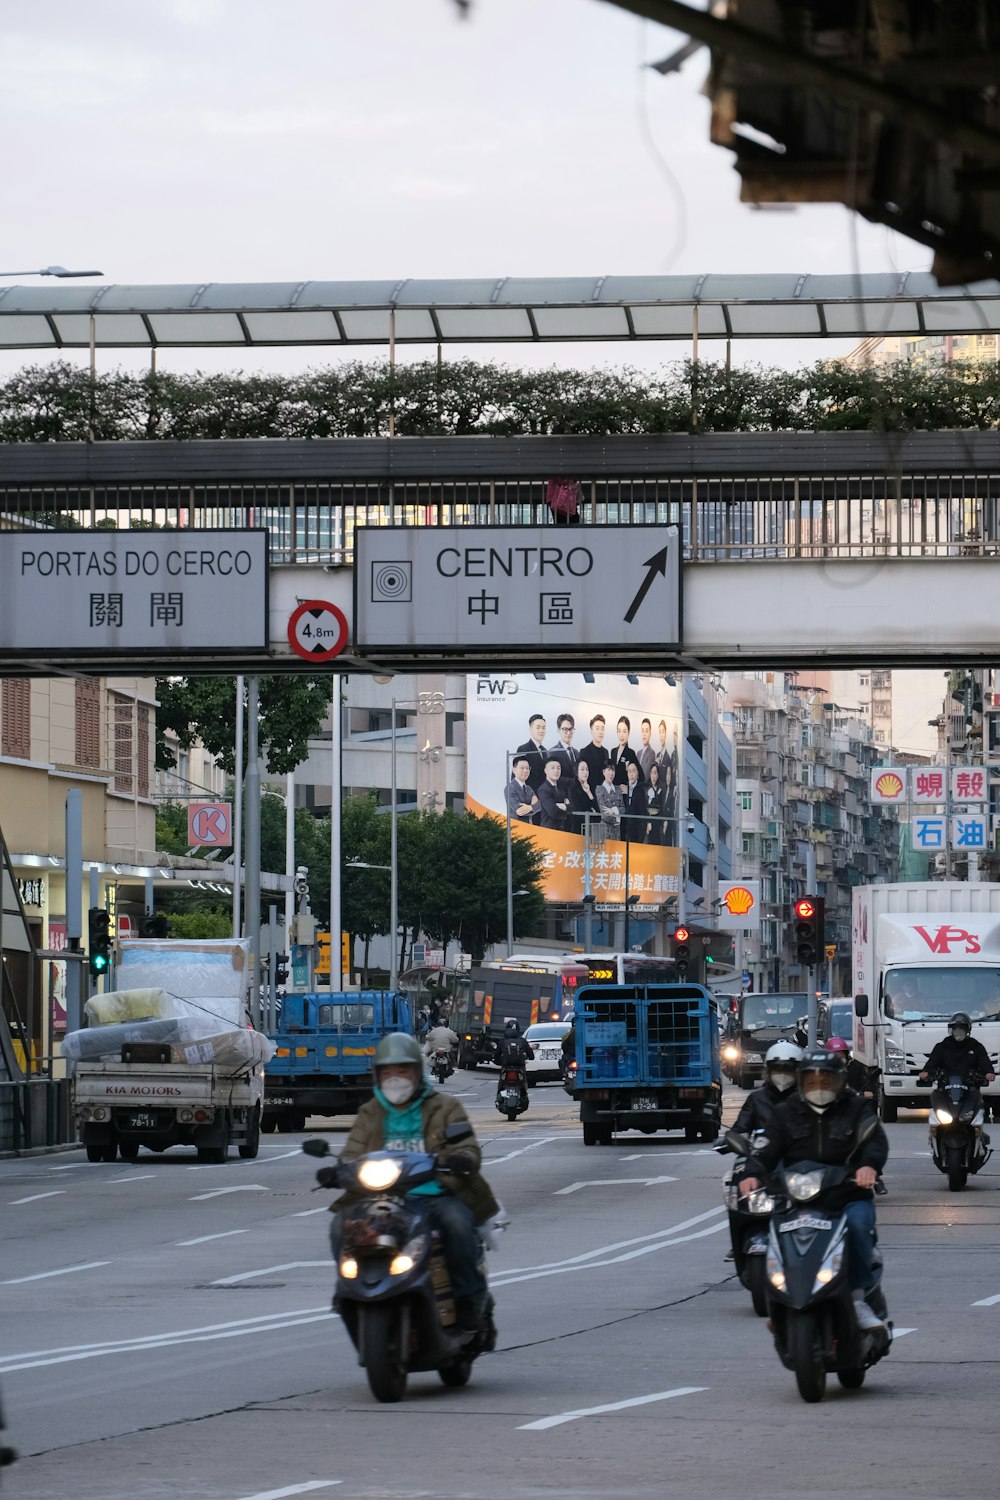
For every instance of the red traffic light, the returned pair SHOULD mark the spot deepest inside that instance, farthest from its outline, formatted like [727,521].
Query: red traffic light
[681,935]
[805,909]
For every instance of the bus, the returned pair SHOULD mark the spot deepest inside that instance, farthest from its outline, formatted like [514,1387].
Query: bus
[627,968]
[525,988]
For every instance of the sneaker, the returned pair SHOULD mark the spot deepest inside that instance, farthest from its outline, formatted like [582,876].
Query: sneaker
[729,1255]
[867,1318]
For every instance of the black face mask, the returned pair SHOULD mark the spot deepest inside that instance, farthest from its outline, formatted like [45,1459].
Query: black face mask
[959,1033]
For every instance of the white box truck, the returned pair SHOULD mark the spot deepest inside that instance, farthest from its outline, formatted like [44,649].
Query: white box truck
[168,1058]
[920,951]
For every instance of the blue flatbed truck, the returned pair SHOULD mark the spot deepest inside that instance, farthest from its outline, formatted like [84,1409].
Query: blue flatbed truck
[324,1045]
[647,1059]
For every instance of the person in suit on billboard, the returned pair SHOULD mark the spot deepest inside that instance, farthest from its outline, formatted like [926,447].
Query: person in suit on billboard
[565,751]
[647,755]
[622,756]
[609,800]
[553,798]
[635,813]
[596,754]
[522,803]
[536,750]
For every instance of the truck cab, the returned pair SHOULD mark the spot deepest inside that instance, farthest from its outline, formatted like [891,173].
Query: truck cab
[324,1046]
[760,1021]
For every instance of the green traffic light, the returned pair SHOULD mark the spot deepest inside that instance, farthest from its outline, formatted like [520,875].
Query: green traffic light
[99,962]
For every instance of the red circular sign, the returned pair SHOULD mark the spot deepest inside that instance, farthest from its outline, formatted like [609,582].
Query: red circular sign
[317,630]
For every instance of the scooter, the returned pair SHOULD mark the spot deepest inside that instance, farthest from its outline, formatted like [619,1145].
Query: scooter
[393,1291]
[441,1064]
[959,1144]
[512,1091]
[811,1305]
[749,1223]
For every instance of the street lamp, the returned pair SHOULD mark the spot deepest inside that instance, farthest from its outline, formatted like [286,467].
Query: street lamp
[59,271]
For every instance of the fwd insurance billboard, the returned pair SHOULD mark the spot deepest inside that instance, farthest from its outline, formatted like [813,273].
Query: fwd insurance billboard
[555,749]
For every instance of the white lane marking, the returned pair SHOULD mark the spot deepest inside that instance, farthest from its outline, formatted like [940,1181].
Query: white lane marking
[256,1322]
[900,1333]
[253,1162]
[213,1331]
[575,1187]
[597,1411]
[249,1187]
[72,1166]
[987,1301]
[613,1260]
[645,1155]
[65,1271]
[641,1239]
[203,1239]
[135,1177]
[294,1489]
[55,1193]
[494,1161]
[291,1265]
[306,1213]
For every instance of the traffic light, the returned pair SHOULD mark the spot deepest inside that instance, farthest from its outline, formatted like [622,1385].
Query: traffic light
[682,951]
[280,968]
[154,925]
[808,930]
[98,941]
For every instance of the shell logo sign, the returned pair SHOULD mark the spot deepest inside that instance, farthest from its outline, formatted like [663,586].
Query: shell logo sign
[738,900]
[889,784]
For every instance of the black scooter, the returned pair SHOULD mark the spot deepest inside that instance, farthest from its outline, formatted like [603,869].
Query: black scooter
[811,1305]
[512,1090]
[749,1223]
[959,1144]
[393,1291]
[441,1064]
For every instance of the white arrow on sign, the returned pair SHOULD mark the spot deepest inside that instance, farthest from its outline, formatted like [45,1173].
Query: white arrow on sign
[575,1187]
[246,1187]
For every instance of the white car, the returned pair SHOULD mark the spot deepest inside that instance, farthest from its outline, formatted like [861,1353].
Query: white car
[545,1040]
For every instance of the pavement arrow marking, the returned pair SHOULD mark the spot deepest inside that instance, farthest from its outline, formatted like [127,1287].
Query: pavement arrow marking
[575,1187]
[247,1187]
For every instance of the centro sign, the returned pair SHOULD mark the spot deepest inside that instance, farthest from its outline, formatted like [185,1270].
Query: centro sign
[469,588]
[100,592]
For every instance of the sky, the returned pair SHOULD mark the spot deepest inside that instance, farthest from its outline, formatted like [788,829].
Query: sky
[229,140]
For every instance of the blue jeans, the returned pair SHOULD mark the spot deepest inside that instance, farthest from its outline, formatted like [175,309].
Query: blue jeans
[456,1224]
[861,1240]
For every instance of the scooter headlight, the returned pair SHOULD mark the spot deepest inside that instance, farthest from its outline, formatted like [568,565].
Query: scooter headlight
[348,1268]
[804,1185]
[828,1270]
[731,1052]
[944,1117]
[400,1264]
[775,1273]
[760,1202]
[378,1173]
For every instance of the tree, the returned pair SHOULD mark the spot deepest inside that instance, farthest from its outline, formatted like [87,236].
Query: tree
[293,707]
[364,898]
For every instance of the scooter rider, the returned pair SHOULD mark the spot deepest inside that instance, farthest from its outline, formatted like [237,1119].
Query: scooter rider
[440,1039]
[408,1114]
[821,1123]
[780,1063]
[512,1051]
[863,1080]
[959,1054]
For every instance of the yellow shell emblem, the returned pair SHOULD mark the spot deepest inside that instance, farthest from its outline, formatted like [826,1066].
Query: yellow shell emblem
[888,785]
[738,900]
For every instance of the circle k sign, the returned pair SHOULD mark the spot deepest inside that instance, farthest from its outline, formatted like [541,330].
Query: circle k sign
[210,823]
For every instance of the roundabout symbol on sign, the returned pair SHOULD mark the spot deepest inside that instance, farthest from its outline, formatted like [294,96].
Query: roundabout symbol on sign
[317,630]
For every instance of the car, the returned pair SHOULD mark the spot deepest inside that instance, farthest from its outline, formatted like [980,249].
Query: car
[836,1018]
[545,1040]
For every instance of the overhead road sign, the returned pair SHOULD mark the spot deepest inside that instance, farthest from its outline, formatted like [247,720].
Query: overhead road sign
[491,592]
[317,630]
[132,593]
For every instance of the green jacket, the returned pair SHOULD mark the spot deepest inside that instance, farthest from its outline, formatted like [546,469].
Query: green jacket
[438,1112]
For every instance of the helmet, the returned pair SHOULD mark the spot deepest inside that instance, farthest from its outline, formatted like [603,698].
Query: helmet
[960,1019]
[784,1053]
[512,1029]
[397,1047]
[838,1044]
[822,1078]
[781,1060]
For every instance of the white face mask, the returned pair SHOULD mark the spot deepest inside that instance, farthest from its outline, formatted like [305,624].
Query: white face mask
[959,1033]
[398,1090]
[819,1098]
[782,1081]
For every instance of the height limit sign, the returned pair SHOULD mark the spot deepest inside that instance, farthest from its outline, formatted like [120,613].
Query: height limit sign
[317,630]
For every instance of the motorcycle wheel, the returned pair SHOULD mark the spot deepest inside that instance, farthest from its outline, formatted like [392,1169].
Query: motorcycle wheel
[757,1283]
[457,1373]
[512,1114]
[958,1174]
[441,1073]
[383,1362]
[806,1356]
[851,1380]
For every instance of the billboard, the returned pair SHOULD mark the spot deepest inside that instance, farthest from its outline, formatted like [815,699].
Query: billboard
[564,719]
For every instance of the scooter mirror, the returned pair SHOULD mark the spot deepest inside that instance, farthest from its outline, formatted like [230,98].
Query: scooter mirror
[316,1146]
[738,1143]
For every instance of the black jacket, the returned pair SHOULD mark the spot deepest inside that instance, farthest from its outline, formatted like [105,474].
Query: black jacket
[797,1133]
[758,1108]
[513,1052]
[961,1058]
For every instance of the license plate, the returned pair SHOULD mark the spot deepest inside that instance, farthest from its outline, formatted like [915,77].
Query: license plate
[644,1101]
[142,1120]
[805,1221]
[272,1100]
